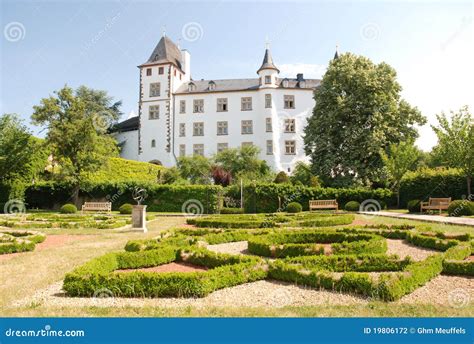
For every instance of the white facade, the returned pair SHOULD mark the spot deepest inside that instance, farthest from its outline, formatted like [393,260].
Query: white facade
[179,116]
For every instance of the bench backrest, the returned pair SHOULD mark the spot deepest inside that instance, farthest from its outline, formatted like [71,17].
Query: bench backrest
[323,202]
[97,205]
[440,201]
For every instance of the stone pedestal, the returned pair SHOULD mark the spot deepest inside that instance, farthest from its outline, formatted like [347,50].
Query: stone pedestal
[139,218]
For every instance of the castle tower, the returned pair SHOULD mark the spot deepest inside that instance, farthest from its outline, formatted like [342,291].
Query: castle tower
[268,72]
[165,71]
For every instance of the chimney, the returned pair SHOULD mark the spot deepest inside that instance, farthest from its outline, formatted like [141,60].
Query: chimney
[299,77]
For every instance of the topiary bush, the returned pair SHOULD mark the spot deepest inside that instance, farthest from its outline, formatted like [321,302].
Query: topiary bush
[232,211]
[461,208]
[294,207]
[68,209]
[282,177]
[126,208]
[413,206]
[352,206]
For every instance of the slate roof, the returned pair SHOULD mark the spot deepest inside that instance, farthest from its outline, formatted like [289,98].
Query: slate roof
[227,85]
[267,62]
[165,51]
[127,125]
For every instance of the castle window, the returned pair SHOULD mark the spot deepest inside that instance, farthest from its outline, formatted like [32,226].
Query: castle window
[175,72]
[182,150]
[247,127]
[222,128]
[268,125]
[290,147]
[155,89]
[148,71]
[154,112]
[198,129]
[246,103]
[212,85]
[289,102]
[221,146]
[198,149]
[198,105]
[222,104]
[191,87]
[153,143]
[161,70]
[182,129]
[289,125]
[268,101]
[268,79]
[269,147]
[182,106]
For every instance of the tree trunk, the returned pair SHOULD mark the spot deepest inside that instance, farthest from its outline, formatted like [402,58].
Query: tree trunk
[468,180]
[75,196]
[398,198]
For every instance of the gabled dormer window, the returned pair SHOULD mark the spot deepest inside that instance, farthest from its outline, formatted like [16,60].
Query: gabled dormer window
[302,84]
[212,85]
[285,82]
[191,87]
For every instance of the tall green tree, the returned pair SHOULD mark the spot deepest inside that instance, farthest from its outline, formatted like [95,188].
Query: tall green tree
[77,123]
[398,160]
[455,146]
[358,113]
[243,163]
[196,169]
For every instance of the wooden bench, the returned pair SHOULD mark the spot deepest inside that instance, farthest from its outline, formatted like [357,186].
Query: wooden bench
[97,206]
[323,204]
[435,204]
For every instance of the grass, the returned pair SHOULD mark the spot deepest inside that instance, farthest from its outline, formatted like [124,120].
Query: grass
[26,273]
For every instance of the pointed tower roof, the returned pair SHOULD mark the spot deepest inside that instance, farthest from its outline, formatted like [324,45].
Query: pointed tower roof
[268,62]
[336,55]
[165,51]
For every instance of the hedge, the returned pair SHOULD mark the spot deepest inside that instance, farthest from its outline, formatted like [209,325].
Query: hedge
[19,241]
[303,243]
[427,183]
[224,271]
[432,242]
[268,197]
[165,198]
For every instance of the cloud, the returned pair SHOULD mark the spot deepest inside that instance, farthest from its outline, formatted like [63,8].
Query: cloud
[310,71]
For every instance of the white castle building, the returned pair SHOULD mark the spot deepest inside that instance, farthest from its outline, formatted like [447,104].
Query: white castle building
[179,116]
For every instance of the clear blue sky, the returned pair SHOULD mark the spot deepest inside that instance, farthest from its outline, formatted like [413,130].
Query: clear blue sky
[100,43]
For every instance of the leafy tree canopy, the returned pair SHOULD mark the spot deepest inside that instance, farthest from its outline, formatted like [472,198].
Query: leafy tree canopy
[77,123]
[456,142]
[358,114]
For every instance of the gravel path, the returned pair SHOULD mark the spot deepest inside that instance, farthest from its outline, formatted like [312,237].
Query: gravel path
[170,267]
[454,291]
[403,249]
[238,247]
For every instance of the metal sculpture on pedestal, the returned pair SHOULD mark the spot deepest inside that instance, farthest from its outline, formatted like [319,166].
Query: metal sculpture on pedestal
[139,210]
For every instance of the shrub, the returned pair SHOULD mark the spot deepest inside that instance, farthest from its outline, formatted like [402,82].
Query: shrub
[126,208]
[461,208]
[413,206]
[282,177]
[232,211]
[294,207]
[68,209]
[352,206]
[19,241]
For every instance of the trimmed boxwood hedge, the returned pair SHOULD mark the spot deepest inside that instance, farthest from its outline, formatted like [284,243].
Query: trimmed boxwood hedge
[19,241]
[165,198]
[268,197]
[224,271]
[303,243]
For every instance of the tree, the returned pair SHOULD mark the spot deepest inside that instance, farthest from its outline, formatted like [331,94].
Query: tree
[243,163]
[358,113]
[78,123]
[195,168]
[22,156]
[302,174]
[456,142]
[398,160]
[281,178]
